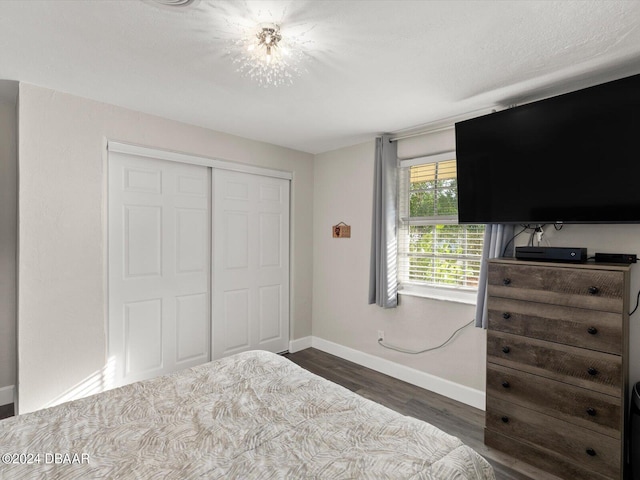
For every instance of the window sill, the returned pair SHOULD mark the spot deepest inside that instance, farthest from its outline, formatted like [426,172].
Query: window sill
[467,297]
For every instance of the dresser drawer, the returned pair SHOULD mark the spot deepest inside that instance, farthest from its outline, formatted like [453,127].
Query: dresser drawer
[592,450]
[592,289]
[579,327]
[542,458]
[601,372]
[582,407]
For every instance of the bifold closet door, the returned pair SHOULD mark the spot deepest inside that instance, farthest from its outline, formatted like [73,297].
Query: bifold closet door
[251,263]
[159,266]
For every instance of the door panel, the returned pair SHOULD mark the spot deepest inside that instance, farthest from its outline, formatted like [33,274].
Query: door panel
[192,315]
[270,298]
[192,249]
[143,240]
[159,266]
[143,336]
[235,334]
[236,244]
[270,241]
[251,263]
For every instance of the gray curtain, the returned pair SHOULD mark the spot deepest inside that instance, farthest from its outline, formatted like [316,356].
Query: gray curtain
[496,238]
[383,275]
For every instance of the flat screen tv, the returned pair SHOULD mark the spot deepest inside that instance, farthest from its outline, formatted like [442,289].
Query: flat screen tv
[573,158]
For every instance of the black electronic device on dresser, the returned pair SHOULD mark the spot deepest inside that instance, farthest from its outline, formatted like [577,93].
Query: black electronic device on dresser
[552,254]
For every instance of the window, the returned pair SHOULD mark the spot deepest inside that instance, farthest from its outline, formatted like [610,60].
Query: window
[436,256]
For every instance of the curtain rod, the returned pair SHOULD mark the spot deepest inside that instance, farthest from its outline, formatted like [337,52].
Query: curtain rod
[419,134]
[452,120]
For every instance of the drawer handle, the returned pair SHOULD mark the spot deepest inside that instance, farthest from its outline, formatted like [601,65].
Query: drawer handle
[506,281]
[594,290]
[506,315]
[505,419]
[591,411]
[592,371]
[592,330]
[591,452]
[505,384]
[505,349]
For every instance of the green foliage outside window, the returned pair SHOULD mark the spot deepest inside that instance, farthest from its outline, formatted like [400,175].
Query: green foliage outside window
[440,254]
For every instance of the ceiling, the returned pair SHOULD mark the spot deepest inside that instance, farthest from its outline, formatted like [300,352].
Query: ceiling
[371,66]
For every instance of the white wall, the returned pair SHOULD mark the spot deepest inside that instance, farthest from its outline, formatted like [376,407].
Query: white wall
[343,191]
[8,239]
[62,270]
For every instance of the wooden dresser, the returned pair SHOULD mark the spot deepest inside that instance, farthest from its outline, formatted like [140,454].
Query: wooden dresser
[557,365]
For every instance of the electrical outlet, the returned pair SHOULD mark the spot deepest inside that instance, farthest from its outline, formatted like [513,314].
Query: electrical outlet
[381,335]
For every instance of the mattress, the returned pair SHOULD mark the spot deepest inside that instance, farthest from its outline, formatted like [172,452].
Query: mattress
[254,415]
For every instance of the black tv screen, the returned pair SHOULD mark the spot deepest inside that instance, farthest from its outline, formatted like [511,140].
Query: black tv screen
[573,158]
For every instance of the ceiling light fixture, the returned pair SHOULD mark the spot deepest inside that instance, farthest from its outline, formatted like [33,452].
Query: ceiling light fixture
[269,57]
[268,40]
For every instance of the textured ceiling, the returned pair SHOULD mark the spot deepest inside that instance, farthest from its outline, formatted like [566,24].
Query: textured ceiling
[372,66]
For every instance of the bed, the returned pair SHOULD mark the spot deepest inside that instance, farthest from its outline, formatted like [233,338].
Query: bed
[254,415]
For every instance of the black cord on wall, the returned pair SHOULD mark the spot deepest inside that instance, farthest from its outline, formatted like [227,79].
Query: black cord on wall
[637,303]
[524,229]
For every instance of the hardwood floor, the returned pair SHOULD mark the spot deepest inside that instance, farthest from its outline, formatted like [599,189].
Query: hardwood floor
[6,411]
[455,418]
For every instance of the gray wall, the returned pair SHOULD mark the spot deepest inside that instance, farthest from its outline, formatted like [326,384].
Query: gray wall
[343,191]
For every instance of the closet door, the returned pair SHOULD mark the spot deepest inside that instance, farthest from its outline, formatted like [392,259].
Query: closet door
[159,266]
[251,263]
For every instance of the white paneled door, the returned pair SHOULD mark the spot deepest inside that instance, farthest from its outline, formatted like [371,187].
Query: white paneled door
[159,266]
[251,263]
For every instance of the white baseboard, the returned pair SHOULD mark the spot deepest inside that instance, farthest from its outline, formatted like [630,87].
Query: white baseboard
[461,393]
[300,344]
[6,395]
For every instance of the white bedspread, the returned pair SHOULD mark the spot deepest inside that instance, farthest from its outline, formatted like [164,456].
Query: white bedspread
[254,415]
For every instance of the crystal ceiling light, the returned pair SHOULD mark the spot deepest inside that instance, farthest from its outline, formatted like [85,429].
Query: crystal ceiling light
[269,57]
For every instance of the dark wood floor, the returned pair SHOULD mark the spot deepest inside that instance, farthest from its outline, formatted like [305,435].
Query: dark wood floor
[6,411]
[463,421]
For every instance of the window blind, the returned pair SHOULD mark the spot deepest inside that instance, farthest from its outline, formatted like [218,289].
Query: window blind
[433,249]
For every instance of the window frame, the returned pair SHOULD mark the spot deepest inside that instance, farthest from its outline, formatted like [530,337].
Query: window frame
[458,294]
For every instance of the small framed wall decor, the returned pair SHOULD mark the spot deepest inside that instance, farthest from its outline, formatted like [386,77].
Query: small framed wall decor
[341,230]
